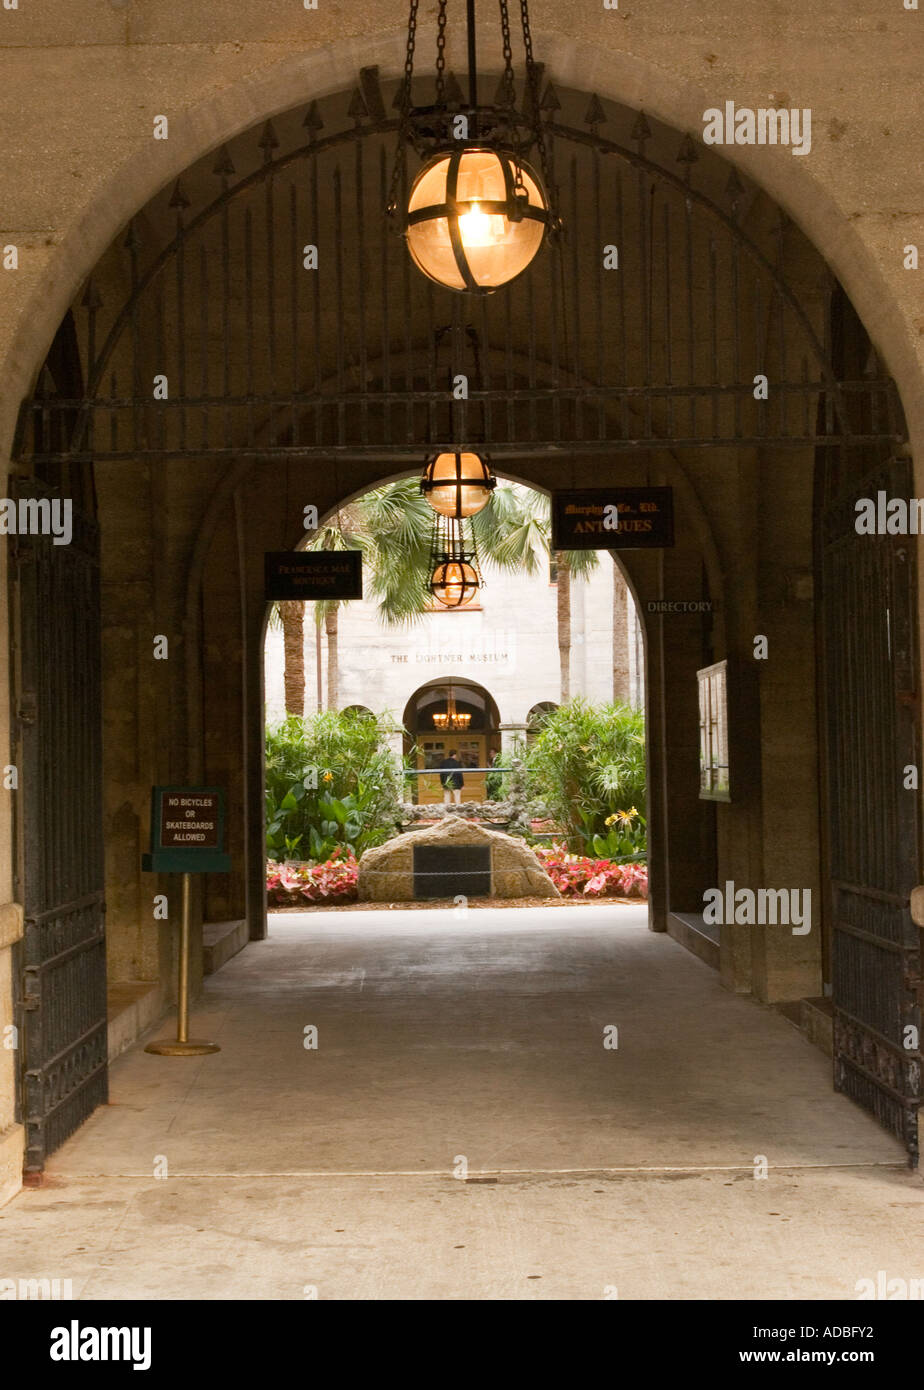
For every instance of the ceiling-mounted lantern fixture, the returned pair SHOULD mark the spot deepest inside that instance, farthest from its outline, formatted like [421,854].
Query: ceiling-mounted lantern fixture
[454,578]
[454,581]
[478,211]
[476,218]
[457,484]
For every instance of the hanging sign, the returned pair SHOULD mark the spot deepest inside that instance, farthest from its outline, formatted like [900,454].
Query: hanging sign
[613,518]
[187,831]
[312,574]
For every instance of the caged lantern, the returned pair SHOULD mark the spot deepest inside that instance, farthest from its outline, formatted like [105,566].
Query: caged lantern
[457,483]
[478,210]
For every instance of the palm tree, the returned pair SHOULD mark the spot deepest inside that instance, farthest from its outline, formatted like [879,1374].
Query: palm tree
[621,691]
[345,533]
[563,581]
[288,618]
[292,617]
[392,526]
[331,629]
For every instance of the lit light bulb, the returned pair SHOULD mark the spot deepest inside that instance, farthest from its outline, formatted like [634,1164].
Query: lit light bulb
[477,228]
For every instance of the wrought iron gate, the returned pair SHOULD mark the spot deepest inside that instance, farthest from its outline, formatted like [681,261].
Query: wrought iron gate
[348,355]
[869,594]
[260,310]
[62,1001]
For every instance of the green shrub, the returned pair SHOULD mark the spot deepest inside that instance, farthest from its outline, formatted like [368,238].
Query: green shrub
[331,780]
[498,784]
[586,763]
[626,838]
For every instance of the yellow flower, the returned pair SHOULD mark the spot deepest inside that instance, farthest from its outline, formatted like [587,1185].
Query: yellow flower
[626,817]
[328,777]
[610,820]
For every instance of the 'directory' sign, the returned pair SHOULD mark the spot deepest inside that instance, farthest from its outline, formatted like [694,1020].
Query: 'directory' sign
[187,831]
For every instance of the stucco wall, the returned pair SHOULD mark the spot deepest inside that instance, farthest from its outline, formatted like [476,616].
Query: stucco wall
[508,643]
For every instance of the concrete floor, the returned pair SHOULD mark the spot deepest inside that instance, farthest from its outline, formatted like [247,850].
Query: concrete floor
[479,1040]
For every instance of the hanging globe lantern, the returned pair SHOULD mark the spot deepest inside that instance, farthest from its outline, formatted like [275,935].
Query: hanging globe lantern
[476,218]
[454,582]
[457,484]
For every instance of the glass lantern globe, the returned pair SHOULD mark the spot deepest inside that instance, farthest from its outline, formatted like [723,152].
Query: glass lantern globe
[454,583]
[470,226]
[457,484]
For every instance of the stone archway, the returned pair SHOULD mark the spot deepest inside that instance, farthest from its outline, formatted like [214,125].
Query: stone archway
[205,117]
[228,516]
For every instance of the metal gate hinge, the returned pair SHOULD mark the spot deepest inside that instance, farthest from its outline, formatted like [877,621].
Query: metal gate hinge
[27,709]
[31,998]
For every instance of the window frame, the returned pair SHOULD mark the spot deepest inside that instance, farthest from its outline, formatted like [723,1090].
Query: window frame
[712,688]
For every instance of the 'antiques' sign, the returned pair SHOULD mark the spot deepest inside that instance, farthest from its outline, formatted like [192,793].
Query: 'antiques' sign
[614,518]
[310,574]
[187,831]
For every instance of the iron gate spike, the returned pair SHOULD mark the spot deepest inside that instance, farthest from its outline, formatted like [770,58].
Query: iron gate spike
[357,107]
[372,93]
[502,94]
[178,198]
[595,114]
[688,153]
[223,165]
[641,130]
[734,187]
[313,121]
[268,140]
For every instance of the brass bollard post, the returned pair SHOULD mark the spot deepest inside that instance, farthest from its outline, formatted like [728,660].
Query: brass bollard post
[183,1047]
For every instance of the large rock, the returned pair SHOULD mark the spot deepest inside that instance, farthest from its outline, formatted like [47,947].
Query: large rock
[386,873]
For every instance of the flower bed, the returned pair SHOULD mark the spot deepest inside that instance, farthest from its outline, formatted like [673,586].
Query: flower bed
[288,885]
[575,874]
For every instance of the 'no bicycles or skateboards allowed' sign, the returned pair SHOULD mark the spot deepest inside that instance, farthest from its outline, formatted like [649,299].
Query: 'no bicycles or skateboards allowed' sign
[187,831]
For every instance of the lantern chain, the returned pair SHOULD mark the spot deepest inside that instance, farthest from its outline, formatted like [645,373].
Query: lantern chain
[475,561]
[404,124]
[510,95]
[534,99]
[441,55]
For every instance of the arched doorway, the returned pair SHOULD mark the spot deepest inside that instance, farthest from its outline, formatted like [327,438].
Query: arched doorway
[451,717]
[327,383]
[535,717]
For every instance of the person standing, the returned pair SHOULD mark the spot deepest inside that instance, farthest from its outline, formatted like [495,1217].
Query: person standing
[451,778]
